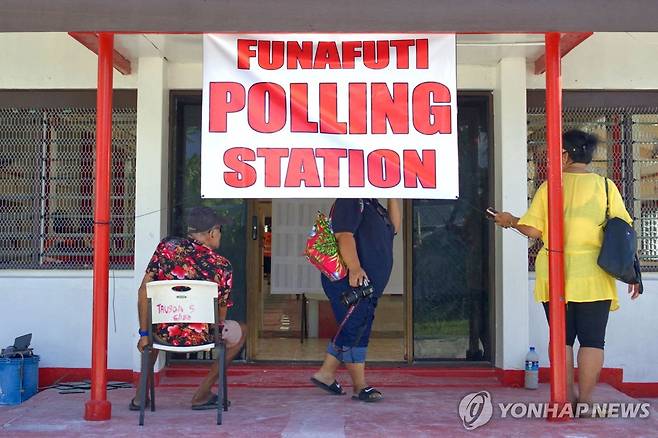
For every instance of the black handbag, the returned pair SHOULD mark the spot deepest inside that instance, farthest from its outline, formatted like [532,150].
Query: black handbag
[618,255]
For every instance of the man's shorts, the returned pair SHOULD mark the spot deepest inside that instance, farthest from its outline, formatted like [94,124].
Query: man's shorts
[194,334]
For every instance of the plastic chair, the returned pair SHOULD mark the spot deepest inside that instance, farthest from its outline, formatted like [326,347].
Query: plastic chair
[182,301]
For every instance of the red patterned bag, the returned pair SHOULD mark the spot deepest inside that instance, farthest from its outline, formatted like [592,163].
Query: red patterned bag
[322,249]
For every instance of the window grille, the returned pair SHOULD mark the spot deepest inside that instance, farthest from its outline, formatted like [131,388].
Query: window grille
[627,154]
[47,159]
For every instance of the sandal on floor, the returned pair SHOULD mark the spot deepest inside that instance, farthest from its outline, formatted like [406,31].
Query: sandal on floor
[210,404]
[135,406]
[369,395]
[334,388]
[592,412]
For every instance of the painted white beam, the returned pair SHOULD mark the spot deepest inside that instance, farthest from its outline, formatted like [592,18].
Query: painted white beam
[511,261]
[151,169]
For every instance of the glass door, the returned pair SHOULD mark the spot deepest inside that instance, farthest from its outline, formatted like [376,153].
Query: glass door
[185,183]
[450,245]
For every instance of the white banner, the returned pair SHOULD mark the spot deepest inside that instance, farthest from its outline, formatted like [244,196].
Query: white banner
[337,115]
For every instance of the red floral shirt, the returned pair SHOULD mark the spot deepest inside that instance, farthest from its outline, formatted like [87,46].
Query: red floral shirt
[176,258]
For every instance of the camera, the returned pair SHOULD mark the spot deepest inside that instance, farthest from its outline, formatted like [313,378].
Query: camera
[352,296]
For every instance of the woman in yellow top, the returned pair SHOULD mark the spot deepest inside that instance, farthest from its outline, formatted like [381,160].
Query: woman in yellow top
[589,291]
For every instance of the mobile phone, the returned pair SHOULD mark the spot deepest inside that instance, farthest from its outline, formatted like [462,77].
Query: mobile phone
[491,213]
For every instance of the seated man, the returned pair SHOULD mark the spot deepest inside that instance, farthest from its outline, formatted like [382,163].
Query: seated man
[192,258]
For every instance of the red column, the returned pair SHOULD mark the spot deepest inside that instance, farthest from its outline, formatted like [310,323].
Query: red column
[555,242]
[99,408]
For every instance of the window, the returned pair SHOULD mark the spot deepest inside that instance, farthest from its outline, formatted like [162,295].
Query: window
[627,154]
[47,160]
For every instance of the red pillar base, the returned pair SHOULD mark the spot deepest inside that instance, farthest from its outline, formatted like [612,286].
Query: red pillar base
[98,410]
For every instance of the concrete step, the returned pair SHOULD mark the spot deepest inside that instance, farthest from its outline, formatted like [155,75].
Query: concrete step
[298,376]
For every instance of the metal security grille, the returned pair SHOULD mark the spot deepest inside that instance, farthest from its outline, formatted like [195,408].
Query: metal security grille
[627,154]
[47,188]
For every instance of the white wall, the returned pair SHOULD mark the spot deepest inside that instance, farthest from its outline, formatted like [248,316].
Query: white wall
[55,306]
[613,61]
[50,60]
[469,77]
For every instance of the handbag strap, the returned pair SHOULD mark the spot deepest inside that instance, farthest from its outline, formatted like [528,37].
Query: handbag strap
[607,201]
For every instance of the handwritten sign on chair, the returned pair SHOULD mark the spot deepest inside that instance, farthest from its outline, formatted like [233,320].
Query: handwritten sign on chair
[182,301]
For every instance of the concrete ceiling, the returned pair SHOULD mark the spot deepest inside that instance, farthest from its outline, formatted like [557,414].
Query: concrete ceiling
[329,15]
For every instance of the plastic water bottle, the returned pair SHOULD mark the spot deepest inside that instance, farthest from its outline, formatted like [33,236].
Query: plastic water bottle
[531,369]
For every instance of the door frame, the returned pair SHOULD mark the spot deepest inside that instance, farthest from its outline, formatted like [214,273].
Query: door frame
[254,282]
[486,95]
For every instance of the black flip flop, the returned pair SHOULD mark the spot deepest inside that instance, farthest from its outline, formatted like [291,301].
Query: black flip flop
[210,404]
[135,406]
[334,388]
[368,395]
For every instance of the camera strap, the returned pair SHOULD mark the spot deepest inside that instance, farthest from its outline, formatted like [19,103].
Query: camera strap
[350,310]
[379,208]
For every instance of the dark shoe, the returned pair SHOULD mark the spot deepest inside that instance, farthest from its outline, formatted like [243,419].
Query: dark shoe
[369,395]
[334,388]
[210,404]
[135,406]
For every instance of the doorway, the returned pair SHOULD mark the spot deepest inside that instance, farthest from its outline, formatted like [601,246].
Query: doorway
[439,308]
[293,318]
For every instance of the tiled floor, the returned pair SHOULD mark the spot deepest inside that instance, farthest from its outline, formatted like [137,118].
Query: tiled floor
[313,349]
[305,411]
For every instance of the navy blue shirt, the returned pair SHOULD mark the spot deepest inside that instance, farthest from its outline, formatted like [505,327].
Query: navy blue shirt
[373,232]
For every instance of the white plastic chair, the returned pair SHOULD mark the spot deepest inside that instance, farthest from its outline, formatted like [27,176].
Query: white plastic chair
[182,301]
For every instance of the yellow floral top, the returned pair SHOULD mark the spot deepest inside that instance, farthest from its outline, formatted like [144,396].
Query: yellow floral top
[584,214]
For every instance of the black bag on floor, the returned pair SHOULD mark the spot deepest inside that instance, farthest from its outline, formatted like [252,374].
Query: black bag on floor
[618,256]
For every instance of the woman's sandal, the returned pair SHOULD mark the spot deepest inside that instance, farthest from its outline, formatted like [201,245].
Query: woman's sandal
[592,412]
[334,388]
[368,394]
[135,406]
[210,404]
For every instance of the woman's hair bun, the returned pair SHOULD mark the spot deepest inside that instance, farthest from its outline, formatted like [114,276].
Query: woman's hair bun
[579,145]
